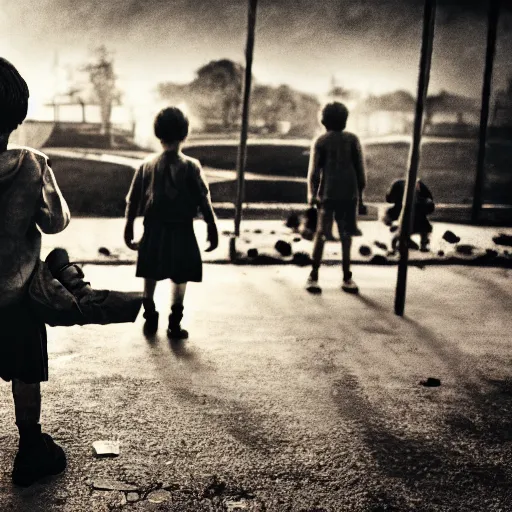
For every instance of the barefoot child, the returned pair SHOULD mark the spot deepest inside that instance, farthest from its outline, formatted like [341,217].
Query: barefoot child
[336,180]
[29,198]
[168,190]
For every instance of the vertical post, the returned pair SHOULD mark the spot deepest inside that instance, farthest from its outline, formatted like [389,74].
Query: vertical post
[492,31]
[406,216]
[242,149]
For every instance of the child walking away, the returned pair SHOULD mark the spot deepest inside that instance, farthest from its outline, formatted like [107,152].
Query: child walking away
[29,198]
[423,206]
[168,190]
[336,180]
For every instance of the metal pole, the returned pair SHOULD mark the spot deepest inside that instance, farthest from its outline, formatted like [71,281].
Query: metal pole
[492,31]
[242,149]
[429,18]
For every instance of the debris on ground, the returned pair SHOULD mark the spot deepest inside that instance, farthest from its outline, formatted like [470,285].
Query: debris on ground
[131,497]
[103,484]
[301,259]
[252,253]
[159,496]
[451,237]
[104,251]
[431,382]
[503,239]
[440,253]
[380,245]
[292,221]
[258,231]
[283,248]
[491,253]
[379,259]
[364,250]
[297,239]
[465,249]
[106,448]
[236,505]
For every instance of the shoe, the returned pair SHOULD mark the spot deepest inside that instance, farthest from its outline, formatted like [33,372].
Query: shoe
[42,458]
[151,316]
[174,331]
[312,285]
[348,284]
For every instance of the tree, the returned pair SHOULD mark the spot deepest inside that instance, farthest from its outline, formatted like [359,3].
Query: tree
[217,89]
[103,81]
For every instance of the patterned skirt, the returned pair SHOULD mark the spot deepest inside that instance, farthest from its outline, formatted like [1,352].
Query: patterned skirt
[169,250]
[23,345]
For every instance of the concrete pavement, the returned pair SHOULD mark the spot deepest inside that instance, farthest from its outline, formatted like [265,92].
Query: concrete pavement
[283,401]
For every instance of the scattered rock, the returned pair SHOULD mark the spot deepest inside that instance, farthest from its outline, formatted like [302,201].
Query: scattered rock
[258,231]
[104,251]
[379,259]
[380,245]
[393,229]
[283,248]
[106,448]
[297,239]
[228,233]
[431,382]
[440,253]
[236,505]
[252,253]
[364,250]
[465,249]
[131,497]
[491,253]
[503,239]
[272,232]
[160,496]
[103,484]
[301,259]
[451,237]
[292,221]
[307,234]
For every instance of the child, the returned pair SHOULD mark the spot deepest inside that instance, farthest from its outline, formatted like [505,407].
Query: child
[423,206]
[336,180]
[167,190]
[29,197]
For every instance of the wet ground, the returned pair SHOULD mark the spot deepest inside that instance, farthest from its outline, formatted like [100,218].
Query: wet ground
[283,401]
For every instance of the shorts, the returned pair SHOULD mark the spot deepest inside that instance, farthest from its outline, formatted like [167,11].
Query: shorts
[344,211]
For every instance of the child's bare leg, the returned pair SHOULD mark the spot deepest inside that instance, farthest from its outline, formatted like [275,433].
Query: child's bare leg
[346,247]
[150,312]
[177,296]
[178,293]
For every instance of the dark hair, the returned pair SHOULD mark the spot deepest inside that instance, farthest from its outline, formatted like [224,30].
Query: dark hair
[171,125]
[13,97]
[334,116]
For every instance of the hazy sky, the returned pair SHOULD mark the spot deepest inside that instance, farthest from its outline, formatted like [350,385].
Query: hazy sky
[369,44]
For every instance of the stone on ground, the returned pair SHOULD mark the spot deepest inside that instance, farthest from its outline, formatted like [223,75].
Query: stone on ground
[283,248]
[451,237]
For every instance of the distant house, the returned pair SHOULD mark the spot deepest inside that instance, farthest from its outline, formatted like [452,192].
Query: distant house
[500,122]
[449,114]
[391,113]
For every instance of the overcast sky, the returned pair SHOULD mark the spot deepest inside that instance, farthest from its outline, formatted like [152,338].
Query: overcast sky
[372,45]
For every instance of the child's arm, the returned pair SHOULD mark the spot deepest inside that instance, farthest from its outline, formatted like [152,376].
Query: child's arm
[314,173]
[53,215]
[133,200]
[205,205]
[358,160]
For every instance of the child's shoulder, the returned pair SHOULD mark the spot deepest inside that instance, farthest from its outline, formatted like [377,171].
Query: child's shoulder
[192,162]
[40,157]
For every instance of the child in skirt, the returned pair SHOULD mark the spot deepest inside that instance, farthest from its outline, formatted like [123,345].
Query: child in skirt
[423,206]
[168,190]
[336,180]
[29,198]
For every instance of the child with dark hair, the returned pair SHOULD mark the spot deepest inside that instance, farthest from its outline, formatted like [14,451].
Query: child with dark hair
[29,198]
[168,190]
[423,206]
[336,180]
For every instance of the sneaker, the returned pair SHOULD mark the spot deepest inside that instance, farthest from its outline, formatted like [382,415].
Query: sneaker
[43,458]
[312,285]
[349,286]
